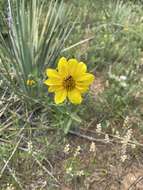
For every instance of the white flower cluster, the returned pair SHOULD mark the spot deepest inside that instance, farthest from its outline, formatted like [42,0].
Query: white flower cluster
[126,122]
[10,187]
[121,79]
[117,135]
[67,149]
[80,173]
[107,140]
[30,147]
[77,151]
[125,142]
[98,128]
[92,147]
[70,172]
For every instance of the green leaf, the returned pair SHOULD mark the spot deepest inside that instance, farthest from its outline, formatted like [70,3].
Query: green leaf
[67,126]
[75,117]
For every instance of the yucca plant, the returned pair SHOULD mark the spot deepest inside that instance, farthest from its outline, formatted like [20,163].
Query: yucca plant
[37,33]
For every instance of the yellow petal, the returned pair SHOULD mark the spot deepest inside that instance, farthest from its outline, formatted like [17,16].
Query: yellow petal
[73,66]
[52,81]
[30,82]
[50,89]
[76,69]
[63,67]
[85,79]
[75,96]
[81,88]
[60,96]
[82,67]
[55,88]
[52,73]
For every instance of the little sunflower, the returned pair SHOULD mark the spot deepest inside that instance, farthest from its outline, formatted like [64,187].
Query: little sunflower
[69,80]
[30,82]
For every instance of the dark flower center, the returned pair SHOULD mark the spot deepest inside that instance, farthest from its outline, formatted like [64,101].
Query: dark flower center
[69,83]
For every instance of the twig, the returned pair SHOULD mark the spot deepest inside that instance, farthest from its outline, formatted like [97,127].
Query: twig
[13,175]
[5,124]
[116,137]
[45,169]
[88,137]
[78,43]
[4,141]
[4,109]
[40,164]
[13,152]
[135,182]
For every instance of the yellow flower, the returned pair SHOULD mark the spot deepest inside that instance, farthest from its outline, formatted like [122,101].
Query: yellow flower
[30,82]
[126,28]
[69,80]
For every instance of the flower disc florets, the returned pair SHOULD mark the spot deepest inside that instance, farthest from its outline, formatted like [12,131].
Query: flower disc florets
[69,83]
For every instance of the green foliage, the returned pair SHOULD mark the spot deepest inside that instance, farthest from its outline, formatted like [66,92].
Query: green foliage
[2,5]
[3,8]
[108,37]
[113,30]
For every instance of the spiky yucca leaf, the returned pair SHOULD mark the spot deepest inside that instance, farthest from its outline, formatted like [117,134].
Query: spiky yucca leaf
[36,37]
